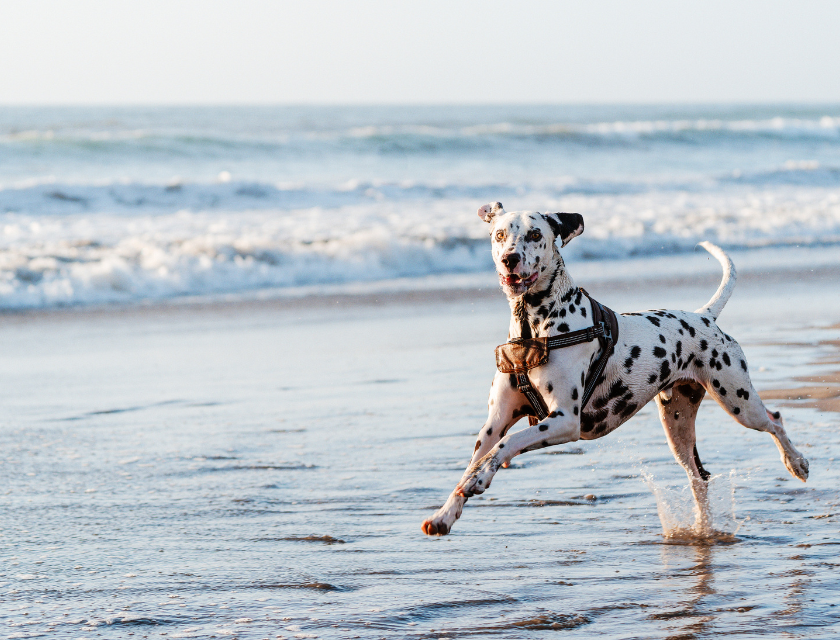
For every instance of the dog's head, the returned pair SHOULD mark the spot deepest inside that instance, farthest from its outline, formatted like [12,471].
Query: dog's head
[524,243]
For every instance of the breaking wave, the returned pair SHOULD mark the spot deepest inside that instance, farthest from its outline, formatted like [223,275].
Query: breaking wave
[131,242]
[101,205]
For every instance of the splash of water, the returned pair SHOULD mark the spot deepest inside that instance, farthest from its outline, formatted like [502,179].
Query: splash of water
[681,517]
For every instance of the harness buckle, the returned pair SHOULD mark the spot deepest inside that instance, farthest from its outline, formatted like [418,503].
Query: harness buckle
[607,332]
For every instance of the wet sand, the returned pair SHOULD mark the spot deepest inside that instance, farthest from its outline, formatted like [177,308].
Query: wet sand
[820,392]
[261,468]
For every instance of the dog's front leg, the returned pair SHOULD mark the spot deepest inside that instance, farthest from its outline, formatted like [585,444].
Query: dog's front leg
[559,427]
[505,407]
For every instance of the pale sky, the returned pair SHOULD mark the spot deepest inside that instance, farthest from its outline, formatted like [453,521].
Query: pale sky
[380,51]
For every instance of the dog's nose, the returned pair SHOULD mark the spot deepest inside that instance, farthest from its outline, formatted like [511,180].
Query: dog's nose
[511,260]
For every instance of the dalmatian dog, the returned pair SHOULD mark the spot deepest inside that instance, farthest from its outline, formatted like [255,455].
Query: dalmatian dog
[672,357]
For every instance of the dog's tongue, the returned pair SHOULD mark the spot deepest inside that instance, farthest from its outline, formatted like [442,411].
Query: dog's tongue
[515,278]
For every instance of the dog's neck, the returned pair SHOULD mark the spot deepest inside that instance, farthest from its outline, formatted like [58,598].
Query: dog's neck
[545,309]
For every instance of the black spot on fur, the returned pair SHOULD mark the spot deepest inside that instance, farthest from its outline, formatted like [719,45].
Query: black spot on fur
[652,378]
[664,370]
[743,365]
[564,328]
[589,420]
[698,363]
[736,411]
[659,352]
[687,327]
[726,359]
[574,394]
[706,322]
[662,339]
[571,308]
[629,410]
[694,394]
[583,311]
[628,364]
[635,352]
[679,348]
[722,391]
[777,415]
[575,410]
[617,389]
[524,410]
[703,345]
[555,414]
[543,427]
[550,387]
[715,383]
[490,432]
[714,353]
[743,393]
[653,320]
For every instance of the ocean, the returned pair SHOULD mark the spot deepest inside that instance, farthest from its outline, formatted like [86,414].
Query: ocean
[246,353]
[129,204]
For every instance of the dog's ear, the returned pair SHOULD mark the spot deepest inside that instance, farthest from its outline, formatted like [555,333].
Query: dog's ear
[490,211]
[565,225]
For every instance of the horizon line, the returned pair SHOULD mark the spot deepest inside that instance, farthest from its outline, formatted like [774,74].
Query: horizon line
[319,104]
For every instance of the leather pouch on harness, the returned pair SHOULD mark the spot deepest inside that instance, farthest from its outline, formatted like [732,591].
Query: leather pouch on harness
[520,356]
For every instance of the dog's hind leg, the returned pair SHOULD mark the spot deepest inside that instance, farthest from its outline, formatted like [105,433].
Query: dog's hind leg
[733,390]
[506,406]
[678,410]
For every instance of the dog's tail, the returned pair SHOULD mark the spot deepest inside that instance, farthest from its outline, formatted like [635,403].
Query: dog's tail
[714,306]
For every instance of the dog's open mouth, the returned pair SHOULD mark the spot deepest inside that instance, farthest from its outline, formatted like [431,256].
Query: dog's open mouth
[516,281]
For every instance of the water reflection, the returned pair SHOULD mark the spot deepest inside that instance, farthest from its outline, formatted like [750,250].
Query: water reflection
[690,569]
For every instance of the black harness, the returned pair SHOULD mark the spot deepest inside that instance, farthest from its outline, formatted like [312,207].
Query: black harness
[520,355]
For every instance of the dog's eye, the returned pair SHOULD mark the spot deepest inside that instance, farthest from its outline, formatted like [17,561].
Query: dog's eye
[533,235]
[500,235]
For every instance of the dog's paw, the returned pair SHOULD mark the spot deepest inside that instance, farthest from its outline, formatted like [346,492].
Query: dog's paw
[441,522]
[797,465]
[435,527]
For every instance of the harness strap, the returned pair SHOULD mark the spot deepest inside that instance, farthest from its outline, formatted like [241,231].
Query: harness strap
[605,329]
[533,396]
[576,337]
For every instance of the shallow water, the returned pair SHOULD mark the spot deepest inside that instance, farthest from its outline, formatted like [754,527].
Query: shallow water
[257,472]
